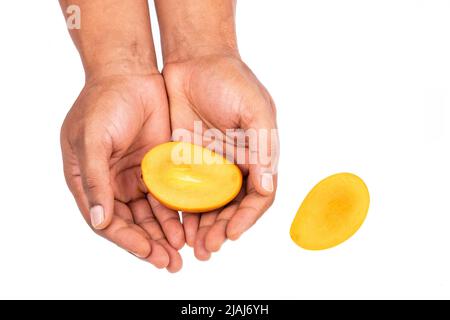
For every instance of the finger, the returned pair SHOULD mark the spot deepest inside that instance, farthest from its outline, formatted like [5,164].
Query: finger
[143,216]
[233,146]
[249,211]
[263,147]
[73,178]
[123,232]
[206,221]
[159,257]
[216,235]
[175,261]
[127,235]
[170,223]
[93,157]
[76,187]
[190,224]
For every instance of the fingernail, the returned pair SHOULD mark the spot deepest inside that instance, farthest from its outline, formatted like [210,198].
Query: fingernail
[97,216]
[267,182]
[137,255]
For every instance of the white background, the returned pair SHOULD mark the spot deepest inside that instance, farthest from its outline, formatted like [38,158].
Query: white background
[361,86]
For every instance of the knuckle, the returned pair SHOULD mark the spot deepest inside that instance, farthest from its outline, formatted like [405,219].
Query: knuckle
[91,146]
[248,113]
[91,184]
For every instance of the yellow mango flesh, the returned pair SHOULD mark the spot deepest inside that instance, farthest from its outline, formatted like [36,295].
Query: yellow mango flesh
[331,213]
[190,178]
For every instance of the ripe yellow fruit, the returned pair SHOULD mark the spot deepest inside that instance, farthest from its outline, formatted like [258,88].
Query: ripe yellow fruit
[331,213]
[190,178]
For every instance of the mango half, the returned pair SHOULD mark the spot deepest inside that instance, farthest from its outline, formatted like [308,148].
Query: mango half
[331,213]
[190,178]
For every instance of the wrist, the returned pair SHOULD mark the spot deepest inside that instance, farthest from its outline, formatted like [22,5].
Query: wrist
[119,62]
[200,50]
[192,28]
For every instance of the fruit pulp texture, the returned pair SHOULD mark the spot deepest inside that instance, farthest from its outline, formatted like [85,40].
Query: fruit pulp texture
[331,213]
[190,178]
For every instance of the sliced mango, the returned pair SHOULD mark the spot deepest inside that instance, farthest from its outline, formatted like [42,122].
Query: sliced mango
[190,178]
[331,213]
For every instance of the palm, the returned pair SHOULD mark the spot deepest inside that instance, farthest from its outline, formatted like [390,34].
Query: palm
[223,94]
[131,115]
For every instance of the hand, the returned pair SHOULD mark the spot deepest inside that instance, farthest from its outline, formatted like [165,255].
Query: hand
[222,92]
[113,123]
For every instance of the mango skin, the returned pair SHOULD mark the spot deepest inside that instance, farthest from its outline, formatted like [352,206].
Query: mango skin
[191,186]
[331,213]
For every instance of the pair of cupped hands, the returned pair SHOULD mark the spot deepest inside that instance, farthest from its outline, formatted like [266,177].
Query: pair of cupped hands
[118,118]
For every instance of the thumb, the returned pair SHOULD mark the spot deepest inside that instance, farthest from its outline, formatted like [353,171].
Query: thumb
[263,152]
[96,177]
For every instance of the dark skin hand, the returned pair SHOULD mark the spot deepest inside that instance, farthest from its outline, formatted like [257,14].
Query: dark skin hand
[207,81]
[114,122]
[121,113]
[222,93]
